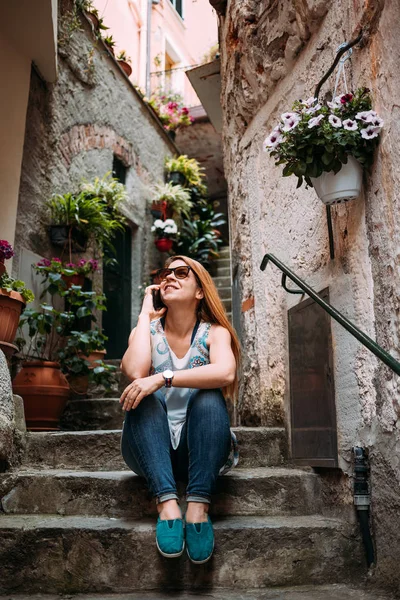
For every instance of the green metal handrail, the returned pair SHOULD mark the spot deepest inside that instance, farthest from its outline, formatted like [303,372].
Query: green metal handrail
[369,343]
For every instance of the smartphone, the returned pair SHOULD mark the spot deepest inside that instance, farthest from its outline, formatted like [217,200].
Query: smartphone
[157,302]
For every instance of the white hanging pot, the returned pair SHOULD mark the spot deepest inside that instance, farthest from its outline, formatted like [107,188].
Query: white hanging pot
[334,188]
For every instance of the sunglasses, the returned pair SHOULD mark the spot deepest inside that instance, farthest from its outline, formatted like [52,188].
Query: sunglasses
[180,272]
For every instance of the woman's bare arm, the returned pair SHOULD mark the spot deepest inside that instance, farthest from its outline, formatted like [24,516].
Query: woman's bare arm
[136,361]
[219,373]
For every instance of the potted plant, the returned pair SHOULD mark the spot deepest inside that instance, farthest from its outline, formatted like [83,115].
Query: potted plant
[164,232]
[40,382]
[14,295]
[69,273]
[187,172]
[93,214]
[169,200]
[170,110]
[327,145]
[124,62]
[199,236]
[110,43]
[82,361]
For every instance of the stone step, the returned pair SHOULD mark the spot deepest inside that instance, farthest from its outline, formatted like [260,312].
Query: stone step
[225,293]
[100,450]
[222,263]
[92,413]
[266,491]
[222,281]
[225,251]
[222,271]
[335,591]
[69,555]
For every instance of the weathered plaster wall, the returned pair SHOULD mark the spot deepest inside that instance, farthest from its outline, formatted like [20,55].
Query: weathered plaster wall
[272,54]
[74,128]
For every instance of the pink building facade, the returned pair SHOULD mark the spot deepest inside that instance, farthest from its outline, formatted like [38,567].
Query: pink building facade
[182,32]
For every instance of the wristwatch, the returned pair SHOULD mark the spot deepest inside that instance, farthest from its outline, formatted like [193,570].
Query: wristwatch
[168,377]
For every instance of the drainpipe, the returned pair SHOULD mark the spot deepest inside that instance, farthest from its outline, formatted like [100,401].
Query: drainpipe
[148,46]
[362,500]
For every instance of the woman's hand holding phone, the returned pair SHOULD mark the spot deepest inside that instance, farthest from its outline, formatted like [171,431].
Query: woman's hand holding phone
[149,307]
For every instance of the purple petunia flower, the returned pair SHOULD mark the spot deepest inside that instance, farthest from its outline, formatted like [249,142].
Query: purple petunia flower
[45,262]
[82,262]
[273,140]
[94,264]
[335,121]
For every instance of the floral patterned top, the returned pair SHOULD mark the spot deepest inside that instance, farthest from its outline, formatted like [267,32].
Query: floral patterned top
[177,399]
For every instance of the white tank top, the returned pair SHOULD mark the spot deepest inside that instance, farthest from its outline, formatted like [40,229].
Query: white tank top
[177,399]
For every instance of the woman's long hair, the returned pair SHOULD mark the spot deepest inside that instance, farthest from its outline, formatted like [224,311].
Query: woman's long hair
[211,310]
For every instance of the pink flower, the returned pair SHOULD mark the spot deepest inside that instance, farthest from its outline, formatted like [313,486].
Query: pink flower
[344,98]
[82,262]
[6,250]
[185,111]
[70,266]
[94,264]
[57,260]
[45,262]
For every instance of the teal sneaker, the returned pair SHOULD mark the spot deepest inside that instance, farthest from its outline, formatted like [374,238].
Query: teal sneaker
[170,537]
[199,541]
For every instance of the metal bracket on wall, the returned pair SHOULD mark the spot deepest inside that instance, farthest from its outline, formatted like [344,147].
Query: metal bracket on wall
[341,50]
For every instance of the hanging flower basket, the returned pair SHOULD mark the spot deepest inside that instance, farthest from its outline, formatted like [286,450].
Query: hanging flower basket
[333,188]
[176,178]
[164,244]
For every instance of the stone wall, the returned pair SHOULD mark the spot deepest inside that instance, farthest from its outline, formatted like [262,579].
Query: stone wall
[74,129]
[273,53]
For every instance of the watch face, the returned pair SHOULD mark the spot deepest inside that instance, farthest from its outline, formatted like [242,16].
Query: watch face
[168,374]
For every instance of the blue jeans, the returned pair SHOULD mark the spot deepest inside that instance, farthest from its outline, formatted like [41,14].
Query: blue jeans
[203,448]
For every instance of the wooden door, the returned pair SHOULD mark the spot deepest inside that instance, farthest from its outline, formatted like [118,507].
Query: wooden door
[312,392]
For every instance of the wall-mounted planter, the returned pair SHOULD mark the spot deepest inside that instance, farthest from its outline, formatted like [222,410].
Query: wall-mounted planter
[59,235]
[334,188]
[164,244]
[176,177]
[126,67]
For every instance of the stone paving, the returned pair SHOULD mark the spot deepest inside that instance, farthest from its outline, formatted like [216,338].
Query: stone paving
[331,592]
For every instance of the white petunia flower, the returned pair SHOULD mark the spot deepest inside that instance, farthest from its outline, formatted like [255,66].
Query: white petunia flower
[153,228]
[370,132]
[377,122]
[169,222]
[333,104]
[289,116]
[313,109]
[272,141]
[291,123]
[310,101]
[335,121]
[350,125]
[315,121]
[366,116]
[159,224]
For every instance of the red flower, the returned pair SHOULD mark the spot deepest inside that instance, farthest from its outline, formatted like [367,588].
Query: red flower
[185,111]
[346,98]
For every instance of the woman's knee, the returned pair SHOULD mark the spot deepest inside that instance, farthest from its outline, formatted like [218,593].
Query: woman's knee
[208,401]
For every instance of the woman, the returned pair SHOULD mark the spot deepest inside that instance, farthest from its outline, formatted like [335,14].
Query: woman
[176,423]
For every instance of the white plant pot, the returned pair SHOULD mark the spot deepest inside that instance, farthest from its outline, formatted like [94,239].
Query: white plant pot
[345,185]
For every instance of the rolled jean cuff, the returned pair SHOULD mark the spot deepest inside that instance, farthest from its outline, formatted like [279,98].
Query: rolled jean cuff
[194,498]
[168,496]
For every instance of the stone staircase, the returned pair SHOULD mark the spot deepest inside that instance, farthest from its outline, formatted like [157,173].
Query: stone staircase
[222,278]
[77,521]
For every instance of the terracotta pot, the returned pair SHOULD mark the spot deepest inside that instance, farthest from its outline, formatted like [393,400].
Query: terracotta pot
[70,280]
[110,48]
[45,391]
[164,244]
[93,357]
[11,305]
[126,67]
[79,384]
[93,19]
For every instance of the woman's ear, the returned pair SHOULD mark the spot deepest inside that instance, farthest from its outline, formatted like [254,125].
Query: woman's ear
[199,294]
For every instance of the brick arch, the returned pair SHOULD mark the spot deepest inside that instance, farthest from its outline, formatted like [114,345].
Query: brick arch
[96,137]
